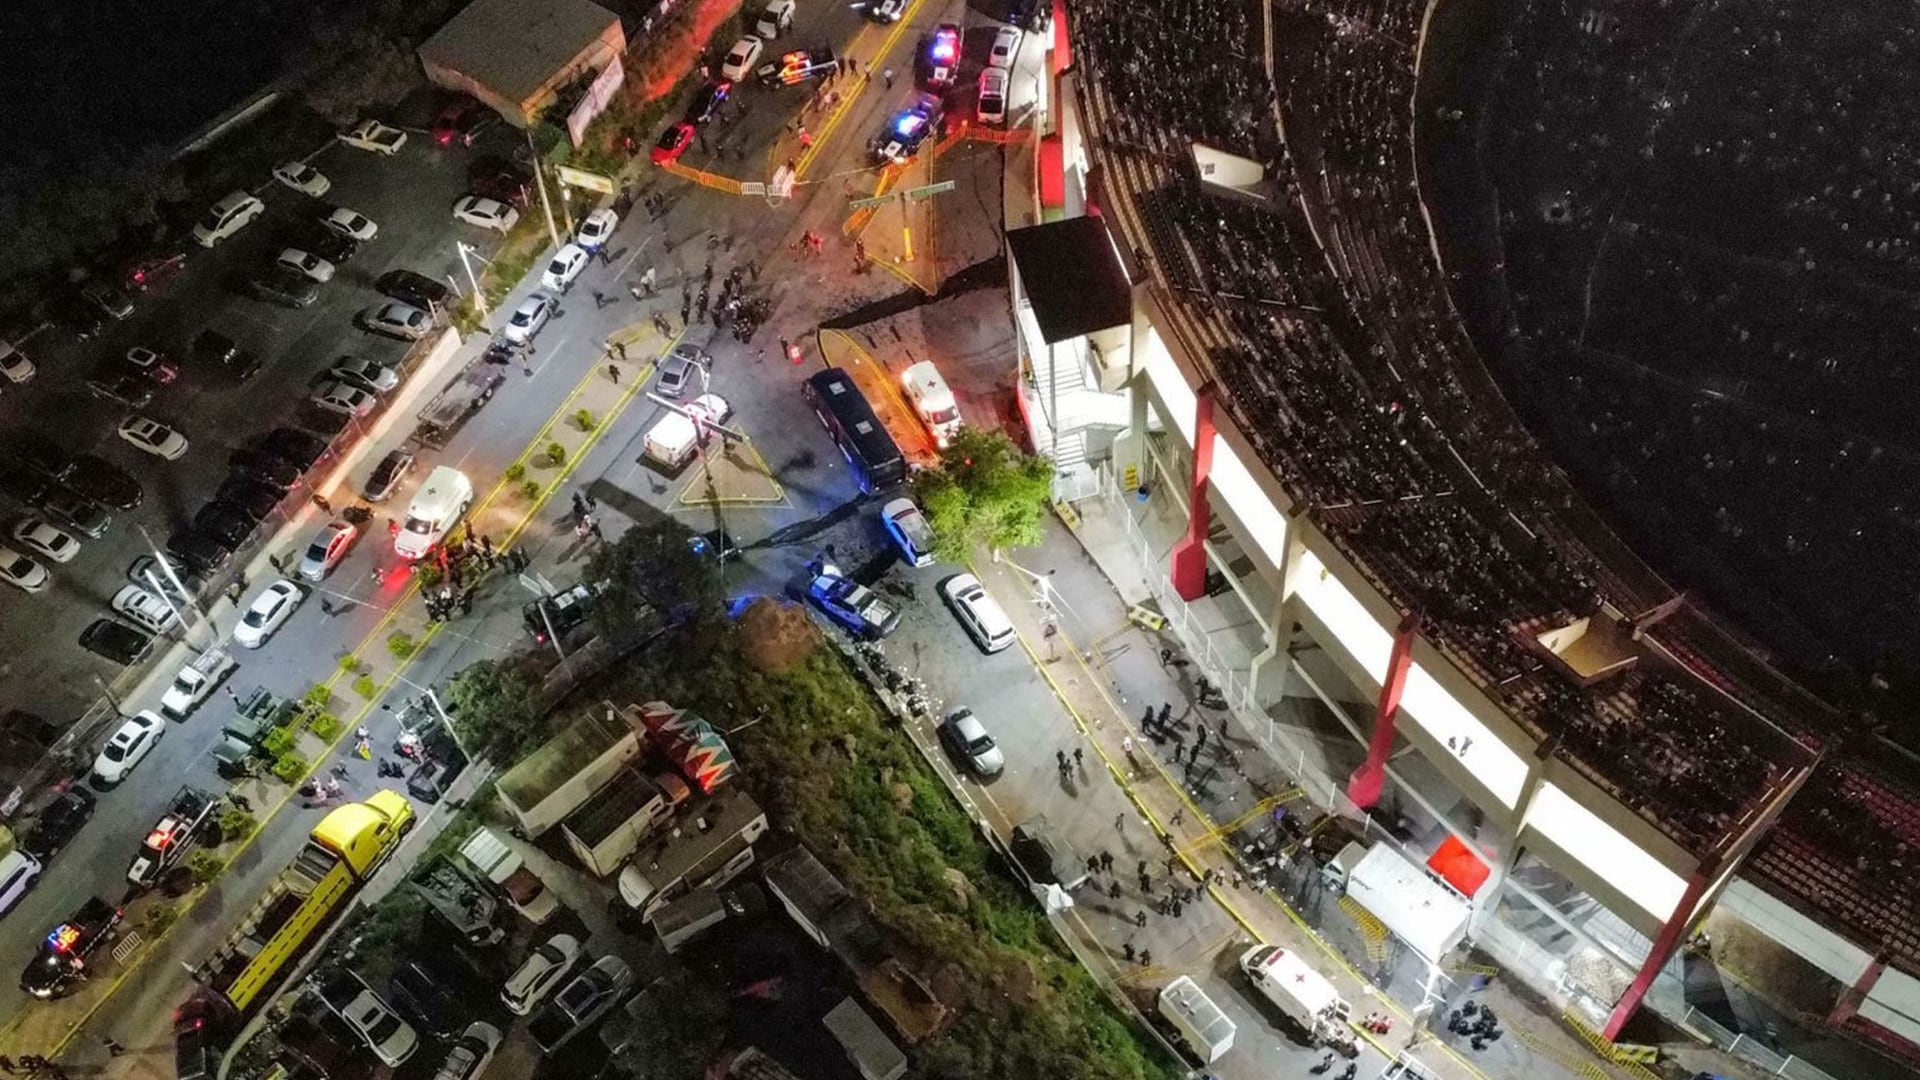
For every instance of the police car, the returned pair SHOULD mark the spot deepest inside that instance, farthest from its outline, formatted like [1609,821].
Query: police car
[908,129]
[943,55]
[851,604]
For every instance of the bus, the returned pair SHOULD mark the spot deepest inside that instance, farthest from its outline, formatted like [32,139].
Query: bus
[843,409]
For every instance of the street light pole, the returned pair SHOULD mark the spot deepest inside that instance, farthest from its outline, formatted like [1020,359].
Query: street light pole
[540,177]
[166,565]
[479,295]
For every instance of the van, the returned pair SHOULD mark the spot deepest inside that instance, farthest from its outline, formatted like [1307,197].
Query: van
[434,512]
[980,615]
[672,441]
[18,872]
[932,401]
[775,19]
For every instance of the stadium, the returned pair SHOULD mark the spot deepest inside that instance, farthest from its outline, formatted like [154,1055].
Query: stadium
[1496,476]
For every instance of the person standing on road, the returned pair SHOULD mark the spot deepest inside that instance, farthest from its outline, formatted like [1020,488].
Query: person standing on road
[887,77]
[613,373]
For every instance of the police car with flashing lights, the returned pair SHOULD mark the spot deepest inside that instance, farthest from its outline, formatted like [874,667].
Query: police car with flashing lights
[943,55]
[908,129]
[62,959]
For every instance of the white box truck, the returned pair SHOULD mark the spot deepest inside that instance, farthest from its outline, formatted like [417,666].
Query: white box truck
[1298,991]
[709,845]
[435,510]
[1202,1026]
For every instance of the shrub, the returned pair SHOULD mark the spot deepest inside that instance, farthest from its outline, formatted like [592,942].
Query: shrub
[350,664]
[159,918]
[326,726]
[204,865]
[584,420]
[516,472]
[364,686]
[556,454]
[278,741]
[317,698]
[401,644]
[290,767]
[531,489]
[236,824]
[428,574]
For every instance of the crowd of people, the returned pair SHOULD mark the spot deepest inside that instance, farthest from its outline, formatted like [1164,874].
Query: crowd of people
[1325,318]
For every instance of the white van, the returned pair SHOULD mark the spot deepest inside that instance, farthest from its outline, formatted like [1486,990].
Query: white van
[671,441]
[435,510]
[932,400]
[18,872]
[979,614]
[775,19]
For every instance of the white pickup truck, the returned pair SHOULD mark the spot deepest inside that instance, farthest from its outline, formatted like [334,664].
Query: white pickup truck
[195,681]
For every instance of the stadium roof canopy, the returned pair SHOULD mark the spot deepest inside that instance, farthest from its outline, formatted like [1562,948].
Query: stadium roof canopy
[1072,277]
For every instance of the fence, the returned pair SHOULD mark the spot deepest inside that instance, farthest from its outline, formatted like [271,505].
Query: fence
[1749,1049]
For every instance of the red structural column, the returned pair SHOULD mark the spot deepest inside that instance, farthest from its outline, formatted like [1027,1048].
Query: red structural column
[1364,786]
[1189,568]
[1662,951]
[1849,1002]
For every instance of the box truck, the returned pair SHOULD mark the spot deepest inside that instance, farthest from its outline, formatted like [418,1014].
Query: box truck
[1302,994]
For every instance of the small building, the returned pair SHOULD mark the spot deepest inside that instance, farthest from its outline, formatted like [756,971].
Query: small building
[871,1052]
[515,56]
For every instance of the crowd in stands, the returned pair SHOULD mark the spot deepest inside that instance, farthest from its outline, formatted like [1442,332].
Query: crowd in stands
[1327,322]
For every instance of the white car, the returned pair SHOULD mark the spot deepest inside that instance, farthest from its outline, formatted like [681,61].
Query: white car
[45,539]
[396,320]
[486,213]
[365,374]
[741,58]
[328,547]
[306,264]
[143,609]
[19,872]
[907,527]
[596,229]
[351,224]
[527,319]
[542,970]
[391,1039]
[1006,45]
[336,396]
[374,136]
[992,101]
[471,1052]
[271,608]
[228,216]
[14,364]
[565,268]
[302,178]
[21,572]
[980,614]
[129,745]
[153,437]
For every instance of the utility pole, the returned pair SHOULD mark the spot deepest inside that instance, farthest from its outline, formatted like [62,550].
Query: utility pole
[479,294]
[540,177]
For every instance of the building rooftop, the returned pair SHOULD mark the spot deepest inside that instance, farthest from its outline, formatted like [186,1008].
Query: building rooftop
[513,47]
[1072,277]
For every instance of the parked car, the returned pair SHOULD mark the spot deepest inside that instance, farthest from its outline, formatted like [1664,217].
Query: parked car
[212,349]
[108,298]
[374,137]
[991,103]
[228,216]
[420,998]
[943,55]
[128,390]
[14,364]
[741,58]
[581,1002]
[77,315]
[980,615]
[44,539]
[153,437]
[966,737]
[303,178]
[398,321]
[255,500]
[461,121]
[58,822]
[861,610]
[264,468]
[279,285]
[907,527]
[673,143]
[351,224]
[566,266]
[327,548]
[303,449]
[115,641]
[198,552]
[160,575]
[1006,46]
[75,511]
[537,975]
[389,1037]
[596,229]
[681,367]
[528,319]
[144,610]
[227,524]
[306,264]
[328,244]
[269,610]
[470,1053]
[22,572]
[151,364]
[415,290]
[150,268]
[485,213]
[501,180]
[41,456]
[104,482]
[127,747]
[334,395]
[387,475]
[365,374]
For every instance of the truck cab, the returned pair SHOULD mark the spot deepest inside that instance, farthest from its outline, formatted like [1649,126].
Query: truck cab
[194,682]
[438,506]
[172,836]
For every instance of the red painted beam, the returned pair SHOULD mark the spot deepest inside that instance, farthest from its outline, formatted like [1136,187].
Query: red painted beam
[1364,786]
[1662,951]
[1188,571]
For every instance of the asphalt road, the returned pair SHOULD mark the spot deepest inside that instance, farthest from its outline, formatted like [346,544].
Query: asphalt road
[409,195]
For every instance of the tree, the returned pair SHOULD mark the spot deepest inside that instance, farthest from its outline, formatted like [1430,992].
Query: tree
[986,491]
[653,572]
[498,706]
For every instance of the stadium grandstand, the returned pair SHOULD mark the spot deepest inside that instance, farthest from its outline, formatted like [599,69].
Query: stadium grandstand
[1326,439]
